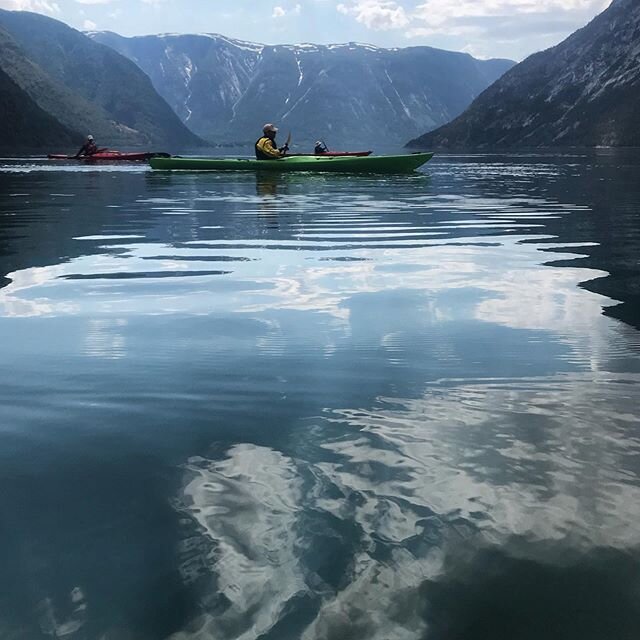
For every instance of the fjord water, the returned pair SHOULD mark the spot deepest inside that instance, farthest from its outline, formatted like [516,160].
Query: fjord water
[318,406]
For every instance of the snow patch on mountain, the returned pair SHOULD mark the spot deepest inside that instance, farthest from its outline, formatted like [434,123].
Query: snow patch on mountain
[225,88]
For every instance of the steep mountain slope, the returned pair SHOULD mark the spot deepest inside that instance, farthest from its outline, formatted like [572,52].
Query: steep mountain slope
[225,89]
[583,92]
[23,124]
[55,99]
[84,84]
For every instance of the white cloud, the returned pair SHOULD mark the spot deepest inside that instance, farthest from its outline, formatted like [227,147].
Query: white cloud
[39,6]
[94,1]
[89,25]
[514,28]
[473,50]
[380,15]
[440,14]
[486,27]
[280,12]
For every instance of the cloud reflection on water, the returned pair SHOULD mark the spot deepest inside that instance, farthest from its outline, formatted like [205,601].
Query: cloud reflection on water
[537,468]
[389,410]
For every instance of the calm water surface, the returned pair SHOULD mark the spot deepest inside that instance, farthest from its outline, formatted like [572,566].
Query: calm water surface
[321,407]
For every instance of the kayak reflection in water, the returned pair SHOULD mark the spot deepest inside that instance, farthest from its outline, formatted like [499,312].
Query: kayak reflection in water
[88,148]
[266,148]
[267,186]
[267,183]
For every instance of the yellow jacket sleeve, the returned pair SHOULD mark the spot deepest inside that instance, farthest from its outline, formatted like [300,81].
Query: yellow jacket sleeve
[266,146]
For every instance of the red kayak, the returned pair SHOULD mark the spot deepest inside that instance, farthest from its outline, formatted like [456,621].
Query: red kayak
[358,154]
[112,156]
[335,154]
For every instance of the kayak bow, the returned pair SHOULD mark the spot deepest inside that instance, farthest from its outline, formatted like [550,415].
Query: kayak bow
[339,164]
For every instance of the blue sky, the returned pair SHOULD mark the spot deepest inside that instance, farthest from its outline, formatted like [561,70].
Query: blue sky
[484,28]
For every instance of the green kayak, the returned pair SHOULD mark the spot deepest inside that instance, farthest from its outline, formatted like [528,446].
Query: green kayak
[345,164]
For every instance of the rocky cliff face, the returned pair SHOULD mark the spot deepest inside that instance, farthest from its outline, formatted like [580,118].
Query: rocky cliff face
[583,92]
[225,89]
[84,85]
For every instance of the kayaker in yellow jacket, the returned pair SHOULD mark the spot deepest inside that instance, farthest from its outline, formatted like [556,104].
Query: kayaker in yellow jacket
[266,148]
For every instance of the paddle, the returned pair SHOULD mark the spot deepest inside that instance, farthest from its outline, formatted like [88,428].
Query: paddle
[96,151]
[286,144]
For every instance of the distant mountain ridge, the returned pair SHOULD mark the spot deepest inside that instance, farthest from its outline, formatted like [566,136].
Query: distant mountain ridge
[224,89]
[583,92]
[85,86]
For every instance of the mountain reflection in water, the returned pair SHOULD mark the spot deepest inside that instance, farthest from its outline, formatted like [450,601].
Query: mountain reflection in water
[318,407]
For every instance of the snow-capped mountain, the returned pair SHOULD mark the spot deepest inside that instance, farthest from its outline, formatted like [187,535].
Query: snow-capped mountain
[583,92]
[225,89]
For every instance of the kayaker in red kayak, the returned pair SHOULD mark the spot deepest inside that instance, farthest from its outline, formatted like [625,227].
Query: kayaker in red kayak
[320,148]
[88,148]
[266,148]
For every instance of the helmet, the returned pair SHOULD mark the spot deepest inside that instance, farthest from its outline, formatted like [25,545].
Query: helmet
[89,137]
[269,128]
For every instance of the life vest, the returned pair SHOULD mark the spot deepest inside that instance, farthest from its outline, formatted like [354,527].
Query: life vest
[266,149]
